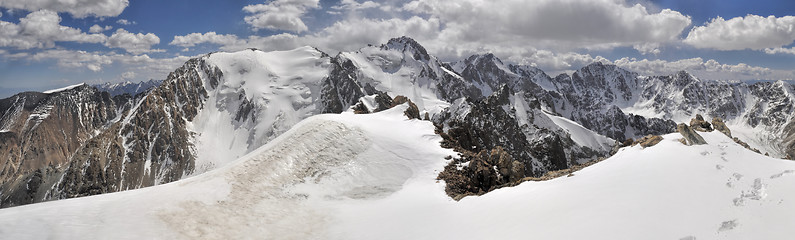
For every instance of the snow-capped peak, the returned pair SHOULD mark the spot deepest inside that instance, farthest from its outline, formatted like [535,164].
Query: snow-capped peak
[64,88]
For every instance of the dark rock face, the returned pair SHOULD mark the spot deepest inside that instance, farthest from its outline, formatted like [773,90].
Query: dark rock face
[699,124]
[130,88]
[478,173]
[689,135]
[412,112]
[341,88]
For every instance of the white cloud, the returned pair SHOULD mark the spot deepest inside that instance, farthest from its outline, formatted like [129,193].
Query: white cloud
[125,22]
[98,29]
[135,43]
[560,24]
[279,15]
[353,5]
[647,48]
[41,29]
[710,69]
[348,35]
[749,32]
[128,75]
[194,39]
[68,59]
[141,66]
[78,8]
[780,50]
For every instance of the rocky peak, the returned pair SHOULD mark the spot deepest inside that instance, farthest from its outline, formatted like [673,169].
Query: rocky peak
[683,78]
[407,44]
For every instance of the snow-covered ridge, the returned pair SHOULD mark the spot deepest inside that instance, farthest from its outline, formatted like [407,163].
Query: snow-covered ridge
[63,88]
[295,188]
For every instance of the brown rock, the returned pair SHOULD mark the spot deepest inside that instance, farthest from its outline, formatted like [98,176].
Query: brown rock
[648,141]
[412,112]
[691,136]
[719,125]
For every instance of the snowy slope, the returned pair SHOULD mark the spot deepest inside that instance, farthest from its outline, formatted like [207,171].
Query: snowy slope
[63,88]
[350,177]
[261,95]
[581,135]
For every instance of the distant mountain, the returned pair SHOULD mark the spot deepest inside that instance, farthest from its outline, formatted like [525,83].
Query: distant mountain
[84,140]
[128,87]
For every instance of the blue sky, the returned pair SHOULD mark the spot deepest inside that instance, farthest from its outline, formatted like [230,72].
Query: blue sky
[51,43]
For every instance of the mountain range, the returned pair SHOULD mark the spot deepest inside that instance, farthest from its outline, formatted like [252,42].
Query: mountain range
[505,122]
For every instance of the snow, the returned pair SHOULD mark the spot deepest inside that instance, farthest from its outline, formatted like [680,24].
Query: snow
[397,73]
[283,87]
[373,176]
[581,135]
[63,88]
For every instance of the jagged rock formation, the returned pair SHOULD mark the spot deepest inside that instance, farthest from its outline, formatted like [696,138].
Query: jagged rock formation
[128,87]
[699,124]
[691,137]
[720,126]
[478,173]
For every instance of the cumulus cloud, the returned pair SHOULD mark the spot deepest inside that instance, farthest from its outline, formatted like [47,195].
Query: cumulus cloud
[135,43]
[141,66]
[353,5]
[279,15]
[194,39]
[125,22]
[552,23]
[711,69]
[780,50]
[69,59]
[77,8]
[41,29]
[749,32]
[98,29]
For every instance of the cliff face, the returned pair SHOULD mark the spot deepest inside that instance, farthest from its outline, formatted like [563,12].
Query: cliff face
[40,132]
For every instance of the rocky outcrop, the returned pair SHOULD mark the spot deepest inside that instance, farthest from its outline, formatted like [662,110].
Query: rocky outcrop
[412,112]
[648,141]
[700,125]
[720,126]
[690,136]
[478,173]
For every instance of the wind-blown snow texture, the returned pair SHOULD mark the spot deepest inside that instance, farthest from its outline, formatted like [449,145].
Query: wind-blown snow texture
[349,177]
[221,106]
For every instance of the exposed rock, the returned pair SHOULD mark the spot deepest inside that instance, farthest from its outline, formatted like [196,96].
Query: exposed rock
[699,124]
[690,136]
[718,124]
[476,174]
[745,145]
[648,141]
[412,112]
[683,141]
[380,102]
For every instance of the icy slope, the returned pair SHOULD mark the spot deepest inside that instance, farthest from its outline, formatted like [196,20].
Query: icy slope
[351,177]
